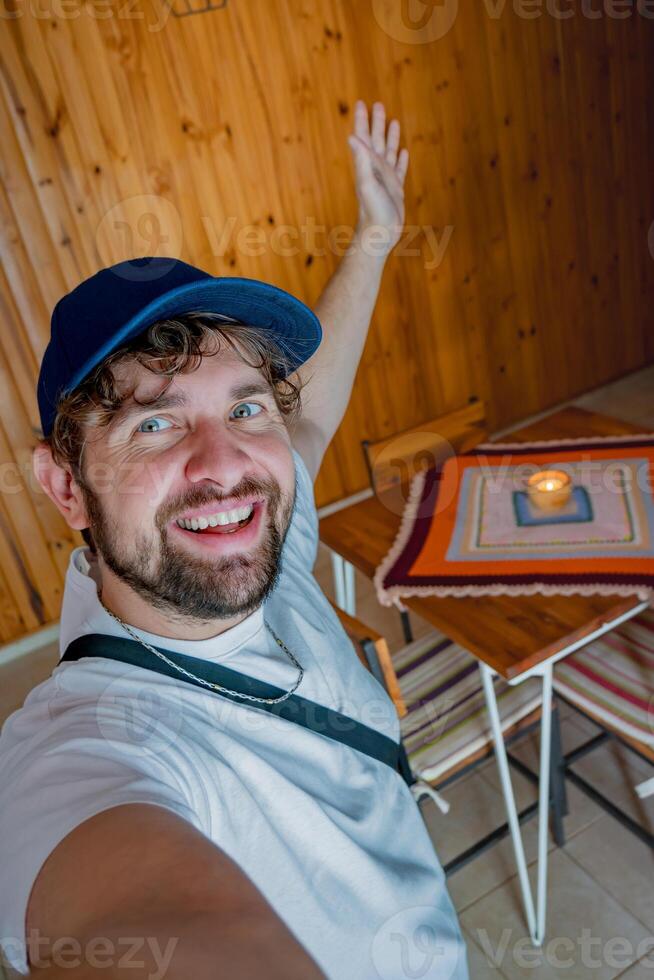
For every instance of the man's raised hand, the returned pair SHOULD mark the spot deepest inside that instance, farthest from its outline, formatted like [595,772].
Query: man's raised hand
[380,172]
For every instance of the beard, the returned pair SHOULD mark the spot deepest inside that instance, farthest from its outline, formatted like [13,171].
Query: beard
[182,585]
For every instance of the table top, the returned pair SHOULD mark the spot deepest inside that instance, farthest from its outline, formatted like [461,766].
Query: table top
[511,634]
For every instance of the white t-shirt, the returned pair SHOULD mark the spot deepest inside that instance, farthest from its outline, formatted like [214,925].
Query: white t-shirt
[332,838]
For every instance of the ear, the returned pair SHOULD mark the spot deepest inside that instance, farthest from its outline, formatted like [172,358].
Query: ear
[60,486]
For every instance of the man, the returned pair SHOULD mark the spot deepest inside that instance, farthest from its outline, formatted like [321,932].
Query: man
[157,816]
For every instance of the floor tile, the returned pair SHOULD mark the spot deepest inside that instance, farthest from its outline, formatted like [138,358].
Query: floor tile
[476,808]
[611,768]
[582,810]
[480,967]
[586,927]
[644,970]
[621,863]
[628,398]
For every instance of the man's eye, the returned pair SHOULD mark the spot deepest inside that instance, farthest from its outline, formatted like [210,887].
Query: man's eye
[153,424]
[244,410]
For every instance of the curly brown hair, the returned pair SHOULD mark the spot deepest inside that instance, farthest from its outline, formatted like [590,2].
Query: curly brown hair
[168,347]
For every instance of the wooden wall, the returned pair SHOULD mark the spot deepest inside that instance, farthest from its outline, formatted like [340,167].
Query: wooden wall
[128,130]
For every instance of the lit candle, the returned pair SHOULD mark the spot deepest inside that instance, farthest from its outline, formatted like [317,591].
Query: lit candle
[549,489]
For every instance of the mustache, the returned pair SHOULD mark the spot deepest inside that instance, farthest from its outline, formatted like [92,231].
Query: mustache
[268,489]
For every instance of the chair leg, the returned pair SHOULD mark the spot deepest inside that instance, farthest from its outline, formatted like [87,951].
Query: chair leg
[406,626]
[559,796]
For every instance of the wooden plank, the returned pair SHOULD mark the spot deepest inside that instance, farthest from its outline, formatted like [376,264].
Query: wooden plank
[32,561]
[19,432]
[37,110]
[29,259]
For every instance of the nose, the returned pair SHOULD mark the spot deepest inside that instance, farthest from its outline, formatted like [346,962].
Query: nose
[218,455]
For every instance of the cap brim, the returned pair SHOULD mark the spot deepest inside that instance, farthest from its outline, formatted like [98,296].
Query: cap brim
[295,328]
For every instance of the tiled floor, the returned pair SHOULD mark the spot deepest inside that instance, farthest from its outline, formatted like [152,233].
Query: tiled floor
[601,884]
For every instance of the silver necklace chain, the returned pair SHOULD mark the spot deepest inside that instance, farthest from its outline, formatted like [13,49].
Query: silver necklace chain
[210,684]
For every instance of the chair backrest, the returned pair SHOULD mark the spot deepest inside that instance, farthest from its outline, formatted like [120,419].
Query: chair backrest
[394,461]
[372,650]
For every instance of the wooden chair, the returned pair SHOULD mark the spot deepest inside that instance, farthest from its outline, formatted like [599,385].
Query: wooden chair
[395,460]
[372,650]
[611,682]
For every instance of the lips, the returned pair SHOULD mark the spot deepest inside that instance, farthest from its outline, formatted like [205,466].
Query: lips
[224,528]
[227,539]
[223,518]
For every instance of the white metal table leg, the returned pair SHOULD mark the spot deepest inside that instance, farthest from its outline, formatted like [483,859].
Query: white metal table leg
[350,595]
[344,588]
[338,574]
[545,671]
[544,800]
[509,798]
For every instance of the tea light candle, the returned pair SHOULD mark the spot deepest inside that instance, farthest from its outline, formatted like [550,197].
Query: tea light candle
[549,489]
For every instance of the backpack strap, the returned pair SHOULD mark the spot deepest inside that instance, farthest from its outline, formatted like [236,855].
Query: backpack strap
[309,714]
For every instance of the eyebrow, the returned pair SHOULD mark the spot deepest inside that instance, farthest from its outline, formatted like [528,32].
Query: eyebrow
[248,388]
[130,410]
[178,399]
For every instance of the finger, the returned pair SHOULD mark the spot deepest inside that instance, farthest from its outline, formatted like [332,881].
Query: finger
[378,130]
[362,161]
[392,142]
[361,127]
[402,165]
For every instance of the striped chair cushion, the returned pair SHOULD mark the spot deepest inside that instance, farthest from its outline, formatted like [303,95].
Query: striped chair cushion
[613,678]
[446,721]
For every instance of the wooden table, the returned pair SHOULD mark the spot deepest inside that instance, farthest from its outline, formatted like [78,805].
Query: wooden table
[509,633]
[515,637]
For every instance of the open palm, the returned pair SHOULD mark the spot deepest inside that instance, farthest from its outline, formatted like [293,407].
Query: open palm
[380,168]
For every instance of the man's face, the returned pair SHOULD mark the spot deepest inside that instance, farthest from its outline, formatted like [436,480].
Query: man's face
[213,449]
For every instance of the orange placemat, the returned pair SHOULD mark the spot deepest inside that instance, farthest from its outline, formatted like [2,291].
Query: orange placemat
[469,529]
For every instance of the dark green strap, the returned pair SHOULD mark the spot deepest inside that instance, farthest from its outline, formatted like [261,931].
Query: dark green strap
[309,714]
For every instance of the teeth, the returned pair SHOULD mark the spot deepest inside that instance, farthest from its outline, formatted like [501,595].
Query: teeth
[213,520]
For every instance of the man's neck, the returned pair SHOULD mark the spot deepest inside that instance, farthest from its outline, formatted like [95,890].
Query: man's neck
[134,610]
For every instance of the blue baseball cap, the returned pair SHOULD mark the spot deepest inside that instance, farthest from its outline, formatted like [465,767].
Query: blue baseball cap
[120,302]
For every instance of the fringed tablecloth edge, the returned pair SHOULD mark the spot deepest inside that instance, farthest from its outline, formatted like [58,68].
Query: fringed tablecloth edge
[404,532]
[631,437]
[395,593]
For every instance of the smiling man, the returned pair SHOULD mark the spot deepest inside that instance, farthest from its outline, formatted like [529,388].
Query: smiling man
[189,551]
[207,784]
